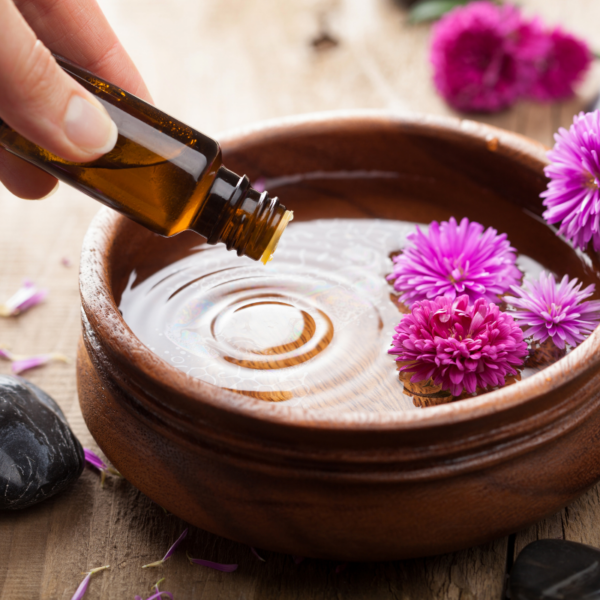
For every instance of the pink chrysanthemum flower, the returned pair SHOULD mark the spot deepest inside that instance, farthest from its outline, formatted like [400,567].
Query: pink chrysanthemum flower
[556,311]
[480,55]
[458,345]
[572,197]
[455,259]
[561,66]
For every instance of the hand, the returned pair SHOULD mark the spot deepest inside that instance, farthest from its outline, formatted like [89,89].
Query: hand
[40,101]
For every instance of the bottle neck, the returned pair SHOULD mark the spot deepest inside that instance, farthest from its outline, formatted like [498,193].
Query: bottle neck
[242,218]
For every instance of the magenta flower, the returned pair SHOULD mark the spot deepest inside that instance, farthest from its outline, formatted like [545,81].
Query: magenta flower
[83,586]
[572,197]
[26,297]
[558,312]
[212,565]
[481,56]
[458,345]
[560,66]
[455,259]
[169,553]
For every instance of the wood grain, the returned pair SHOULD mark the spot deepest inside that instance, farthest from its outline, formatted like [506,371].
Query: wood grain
[218,64]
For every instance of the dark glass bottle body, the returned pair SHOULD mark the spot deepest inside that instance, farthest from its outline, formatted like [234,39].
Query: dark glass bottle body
[164,175]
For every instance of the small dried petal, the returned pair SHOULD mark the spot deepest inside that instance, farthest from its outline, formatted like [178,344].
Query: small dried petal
[83,586]
[298,559]
[24,364]
[65,261]
[6,354]
[158,595]
[178,541]
[260,184]
[26,297]
[212,565]
[82,589]
[93,459]
[169,553]
[253,550]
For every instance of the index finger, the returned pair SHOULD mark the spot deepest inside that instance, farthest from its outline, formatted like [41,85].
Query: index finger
[79,31]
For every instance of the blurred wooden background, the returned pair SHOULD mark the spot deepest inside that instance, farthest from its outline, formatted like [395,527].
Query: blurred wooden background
[216,65]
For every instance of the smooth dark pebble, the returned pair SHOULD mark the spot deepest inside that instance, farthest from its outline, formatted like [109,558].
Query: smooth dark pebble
[39,454]
[556,569]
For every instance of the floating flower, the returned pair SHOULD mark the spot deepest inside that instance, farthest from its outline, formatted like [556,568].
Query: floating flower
[170,551]
[455,259]
[26,297]
[83,586]
[556,311]
[459,345]
[212,565]
[572,197]
[560,66]
[95,461]
[481,56]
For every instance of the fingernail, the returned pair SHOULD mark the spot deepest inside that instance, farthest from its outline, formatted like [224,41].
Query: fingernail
[89,127]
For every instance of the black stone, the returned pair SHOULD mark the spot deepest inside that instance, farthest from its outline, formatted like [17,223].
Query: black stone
[39,455]
[556,569]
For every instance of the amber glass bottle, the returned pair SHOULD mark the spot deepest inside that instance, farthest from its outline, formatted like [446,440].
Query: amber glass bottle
[164,175]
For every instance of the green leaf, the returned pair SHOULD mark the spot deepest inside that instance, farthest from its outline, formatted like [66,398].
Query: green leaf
[429,10]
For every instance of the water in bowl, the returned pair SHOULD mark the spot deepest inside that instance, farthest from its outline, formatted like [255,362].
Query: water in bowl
[310,329]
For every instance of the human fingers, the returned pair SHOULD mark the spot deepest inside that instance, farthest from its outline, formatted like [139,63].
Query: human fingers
[23,179]
[79,31]
[41,102]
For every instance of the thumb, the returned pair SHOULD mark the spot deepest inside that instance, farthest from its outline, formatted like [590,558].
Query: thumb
[44,104]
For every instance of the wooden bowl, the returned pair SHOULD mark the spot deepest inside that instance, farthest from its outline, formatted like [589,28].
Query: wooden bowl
[348,485]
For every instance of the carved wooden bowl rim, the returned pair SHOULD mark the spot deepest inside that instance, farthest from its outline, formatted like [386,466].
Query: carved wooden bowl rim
[107,323]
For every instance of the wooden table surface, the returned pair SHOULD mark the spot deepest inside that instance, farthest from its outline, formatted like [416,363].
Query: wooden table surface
[218,64]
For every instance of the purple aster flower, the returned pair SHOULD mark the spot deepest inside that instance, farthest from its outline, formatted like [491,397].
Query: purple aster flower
[481,56]
[556,311]
[455,259]
[560,66]
[458,345]
[572,197]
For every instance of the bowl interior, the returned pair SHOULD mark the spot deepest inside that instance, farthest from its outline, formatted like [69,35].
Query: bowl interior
[375,167]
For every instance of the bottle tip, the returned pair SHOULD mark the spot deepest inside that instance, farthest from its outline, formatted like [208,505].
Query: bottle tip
[288,215]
